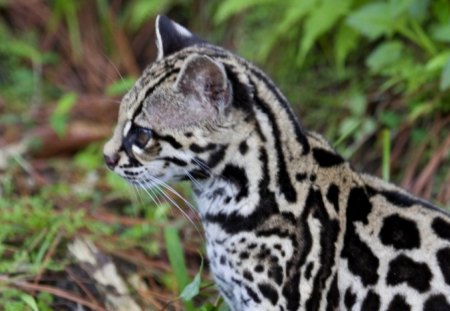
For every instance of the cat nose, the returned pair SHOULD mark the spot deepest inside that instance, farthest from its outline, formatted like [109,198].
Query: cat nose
[111,160]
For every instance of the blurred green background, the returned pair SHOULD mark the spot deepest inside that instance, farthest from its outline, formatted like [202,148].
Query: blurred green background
[373,76]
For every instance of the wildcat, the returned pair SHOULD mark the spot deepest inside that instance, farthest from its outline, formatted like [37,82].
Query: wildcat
[289,224]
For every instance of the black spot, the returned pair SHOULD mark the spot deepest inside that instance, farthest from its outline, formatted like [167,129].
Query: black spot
[169,139]
[308,270]
[198,174]
[244,255]
[333,295]
[415,274]
[398,303]
[252,294]
[313,177]
[277,246]
[263,254]
[273,259]
[238,176]
[399,232]
[276,273]
[358,206]
[404,200]
[269,292]
[326,158]
[188,134]
[333,196]
[216,157]
[199,149]
[222,260]
[301,176]
[436,303]
[173,160]
[361,260]
[441,228]
[349,298]
[252,246]
[371,302]
[259,268]
[243,147]
[248,275]
[443,257]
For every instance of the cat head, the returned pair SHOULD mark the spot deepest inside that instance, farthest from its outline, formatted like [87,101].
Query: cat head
[179,116]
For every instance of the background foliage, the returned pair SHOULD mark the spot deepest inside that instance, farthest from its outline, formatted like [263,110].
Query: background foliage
[373,76]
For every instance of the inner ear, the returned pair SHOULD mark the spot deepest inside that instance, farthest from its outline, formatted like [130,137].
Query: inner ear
[172,37]
[205,79]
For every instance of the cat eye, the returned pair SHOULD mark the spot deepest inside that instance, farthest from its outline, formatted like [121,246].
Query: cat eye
[141,136]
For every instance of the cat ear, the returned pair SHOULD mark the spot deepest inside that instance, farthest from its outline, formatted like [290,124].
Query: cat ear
[204,79]
[172,37]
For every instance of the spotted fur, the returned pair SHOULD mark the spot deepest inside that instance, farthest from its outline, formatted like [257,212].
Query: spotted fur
[289,224]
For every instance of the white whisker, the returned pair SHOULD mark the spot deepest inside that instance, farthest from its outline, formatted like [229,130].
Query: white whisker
[203,166]
[145,188]
[180,209]
[193,179]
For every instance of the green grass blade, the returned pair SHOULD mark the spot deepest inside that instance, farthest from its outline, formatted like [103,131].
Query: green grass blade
[176,259]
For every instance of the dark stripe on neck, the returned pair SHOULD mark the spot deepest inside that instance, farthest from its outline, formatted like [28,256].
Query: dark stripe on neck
[300,136]
[241,93]
[284,180]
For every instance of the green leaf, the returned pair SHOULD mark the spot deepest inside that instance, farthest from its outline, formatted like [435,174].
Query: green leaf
[142,10]
[60,116]
[346,41]
[385,55]
[229,8]
[23,49]
[372,20]
[398,7]
[319,21]
[441,32]
[192,289]
[445,77]
[419,9]
[120,87]
[29,300]
[438,62]
[294,13]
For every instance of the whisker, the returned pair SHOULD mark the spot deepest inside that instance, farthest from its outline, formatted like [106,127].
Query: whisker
[203,166]
[166,186]
[145,188]
[138,194]
[181,210]
[114,66]
[193,179]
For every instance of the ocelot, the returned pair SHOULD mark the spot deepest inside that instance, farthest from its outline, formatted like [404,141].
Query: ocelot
[289,224]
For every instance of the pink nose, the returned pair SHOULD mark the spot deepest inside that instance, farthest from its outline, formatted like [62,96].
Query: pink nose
[111,161]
